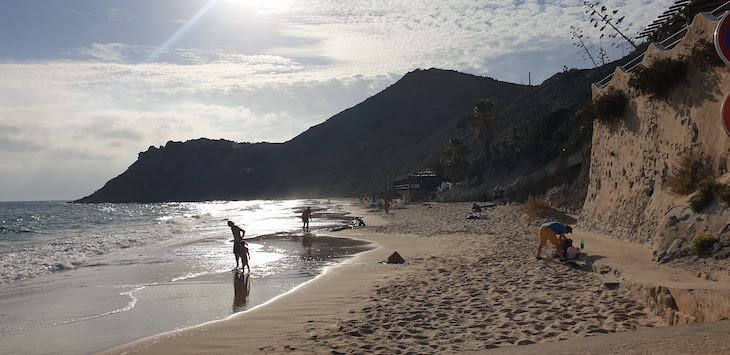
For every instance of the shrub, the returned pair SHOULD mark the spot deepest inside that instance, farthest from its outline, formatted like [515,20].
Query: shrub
[691,169]
[705,195]
[536,207]
[704,55]
[723,193]
[702,245]
[453,161]
[611,106]
[586,114]
[659,79]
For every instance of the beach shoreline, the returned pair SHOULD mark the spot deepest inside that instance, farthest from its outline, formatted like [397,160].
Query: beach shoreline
[262,325]
[124,295]
[460,290]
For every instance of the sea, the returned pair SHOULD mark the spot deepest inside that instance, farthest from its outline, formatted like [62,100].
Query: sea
[87,277]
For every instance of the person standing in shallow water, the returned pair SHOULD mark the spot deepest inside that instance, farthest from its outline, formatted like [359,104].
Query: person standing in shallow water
[238,234]
[306,215]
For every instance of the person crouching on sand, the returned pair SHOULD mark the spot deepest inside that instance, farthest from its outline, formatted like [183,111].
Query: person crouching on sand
[238,234]
[553,232]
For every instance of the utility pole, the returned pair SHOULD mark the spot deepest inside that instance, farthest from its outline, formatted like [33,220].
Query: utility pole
[529,79]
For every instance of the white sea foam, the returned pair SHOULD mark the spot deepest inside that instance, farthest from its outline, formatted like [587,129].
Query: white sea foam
[76,234]
[45,237]
[132,302]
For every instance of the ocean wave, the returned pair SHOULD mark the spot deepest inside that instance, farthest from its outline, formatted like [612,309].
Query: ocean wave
[9,230]
[179,219]
[190,275]
[130,304]
[34,259]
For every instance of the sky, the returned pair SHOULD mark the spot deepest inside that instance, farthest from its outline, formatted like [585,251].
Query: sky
[85,85]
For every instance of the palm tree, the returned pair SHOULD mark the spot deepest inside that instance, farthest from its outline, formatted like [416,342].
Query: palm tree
[454,159]
[481,119]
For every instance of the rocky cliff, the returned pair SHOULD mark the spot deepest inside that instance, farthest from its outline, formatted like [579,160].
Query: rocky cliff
[628,195]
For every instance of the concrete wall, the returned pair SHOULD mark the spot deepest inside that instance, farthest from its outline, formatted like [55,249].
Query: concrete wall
[641,151]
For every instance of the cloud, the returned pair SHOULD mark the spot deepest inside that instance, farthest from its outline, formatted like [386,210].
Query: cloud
[10,144]
[264,74]
[99,115]
[481,37]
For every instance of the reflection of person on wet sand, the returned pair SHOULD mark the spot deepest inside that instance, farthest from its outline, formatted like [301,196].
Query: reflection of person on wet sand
[238,234]
[307,240]
[241,289]
[306,215]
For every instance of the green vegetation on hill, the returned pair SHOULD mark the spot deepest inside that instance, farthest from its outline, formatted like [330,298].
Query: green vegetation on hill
[397,131]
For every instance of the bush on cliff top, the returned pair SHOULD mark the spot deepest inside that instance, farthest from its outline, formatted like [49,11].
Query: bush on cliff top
[585,114]
[660,78]
[704,55]
[702,245]
[608,107]
[691,169]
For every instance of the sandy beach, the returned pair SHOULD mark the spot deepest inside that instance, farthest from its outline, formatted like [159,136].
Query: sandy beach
[467,285]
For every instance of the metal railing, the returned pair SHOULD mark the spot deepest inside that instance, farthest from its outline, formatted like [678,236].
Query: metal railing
[665,44]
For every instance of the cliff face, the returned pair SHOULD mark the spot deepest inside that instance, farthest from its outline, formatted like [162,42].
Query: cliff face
[628,195]
[195,170]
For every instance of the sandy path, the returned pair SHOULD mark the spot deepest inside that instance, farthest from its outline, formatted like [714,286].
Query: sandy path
[468,285]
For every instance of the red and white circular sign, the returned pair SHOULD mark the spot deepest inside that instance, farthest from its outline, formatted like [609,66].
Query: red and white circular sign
[726,114]
[722,38]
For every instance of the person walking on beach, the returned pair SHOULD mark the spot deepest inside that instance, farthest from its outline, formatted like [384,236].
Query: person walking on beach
[238,234]
[306,215]
[386,205]
[553,232]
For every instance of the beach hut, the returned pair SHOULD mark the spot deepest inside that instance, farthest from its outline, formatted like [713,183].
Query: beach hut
[417,186]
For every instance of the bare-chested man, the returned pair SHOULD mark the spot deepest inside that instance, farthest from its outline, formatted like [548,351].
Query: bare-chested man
[238,234]
[306,215]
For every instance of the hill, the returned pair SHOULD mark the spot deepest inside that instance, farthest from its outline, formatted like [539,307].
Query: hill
[397,131]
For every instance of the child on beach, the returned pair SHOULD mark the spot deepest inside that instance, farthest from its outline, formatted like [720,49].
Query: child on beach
[238,242]
[244,256]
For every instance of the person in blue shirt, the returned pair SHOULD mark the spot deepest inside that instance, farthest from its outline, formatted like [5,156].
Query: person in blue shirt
[553,232]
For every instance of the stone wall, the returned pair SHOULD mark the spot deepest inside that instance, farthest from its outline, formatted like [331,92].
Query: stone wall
[630,162]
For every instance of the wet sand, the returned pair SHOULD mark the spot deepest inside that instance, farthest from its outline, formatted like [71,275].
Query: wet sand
[468,285]
[128,296]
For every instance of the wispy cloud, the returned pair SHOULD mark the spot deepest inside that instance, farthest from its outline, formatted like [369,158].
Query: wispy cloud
[100,114]
[251,71]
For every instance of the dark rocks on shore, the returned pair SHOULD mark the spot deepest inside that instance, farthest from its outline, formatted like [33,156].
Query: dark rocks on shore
[395,258]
